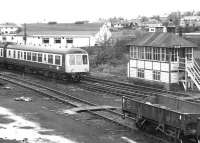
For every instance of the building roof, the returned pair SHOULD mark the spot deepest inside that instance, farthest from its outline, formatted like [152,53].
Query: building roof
[168,40]
[62,29]
[59,33]
[9,25]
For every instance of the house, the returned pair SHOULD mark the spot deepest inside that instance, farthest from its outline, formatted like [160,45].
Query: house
[61,35]
[157,28]
[8,29]
[190,21]
[163,58]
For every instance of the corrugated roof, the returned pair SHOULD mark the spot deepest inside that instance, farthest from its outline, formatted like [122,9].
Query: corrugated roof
[62,28]
[162,40]
[60,33]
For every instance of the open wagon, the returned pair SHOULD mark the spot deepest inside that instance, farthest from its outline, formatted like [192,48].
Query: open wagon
[172,118]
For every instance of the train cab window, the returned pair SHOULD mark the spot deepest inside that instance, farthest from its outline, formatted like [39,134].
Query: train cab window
[50,59]
[78,60]
[85,60]
[39,57]
[57,60]
[28,56]
[34,57]
[71,60]
[24,55]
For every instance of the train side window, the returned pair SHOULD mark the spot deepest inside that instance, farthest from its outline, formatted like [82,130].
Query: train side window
[45,58]
[1,52]
[71,60]
[21,55]
[29,56]
[39,57]
[24,55]
[18,54]
[9,53]
[50,59]
[34,57]
[79,60]
[57,60]
[14,54]
[85,60]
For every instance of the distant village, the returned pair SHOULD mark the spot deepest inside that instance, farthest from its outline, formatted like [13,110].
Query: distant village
[86,34]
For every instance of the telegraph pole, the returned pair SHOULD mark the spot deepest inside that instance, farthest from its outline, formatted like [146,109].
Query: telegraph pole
[25,34]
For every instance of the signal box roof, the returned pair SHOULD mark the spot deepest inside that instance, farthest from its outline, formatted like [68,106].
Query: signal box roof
[167,40]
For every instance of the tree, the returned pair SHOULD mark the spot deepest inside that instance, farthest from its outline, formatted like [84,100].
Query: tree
[198,13]
[156,17]
[188,13]
[144,19]
[175,17]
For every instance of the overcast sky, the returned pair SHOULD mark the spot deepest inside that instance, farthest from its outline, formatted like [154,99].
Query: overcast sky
[26,11]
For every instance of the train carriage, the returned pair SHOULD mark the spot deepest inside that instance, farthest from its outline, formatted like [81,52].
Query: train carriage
[173,118]
[63,63]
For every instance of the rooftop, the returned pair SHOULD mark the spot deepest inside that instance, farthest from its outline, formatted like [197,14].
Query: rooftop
[162,40]
[61,29]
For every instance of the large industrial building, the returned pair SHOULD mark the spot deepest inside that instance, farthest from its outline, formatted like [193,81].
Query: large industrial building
[60,35]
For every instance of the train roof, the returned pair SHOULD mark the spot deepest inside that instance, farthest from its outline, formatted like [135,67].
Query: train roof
[48,50]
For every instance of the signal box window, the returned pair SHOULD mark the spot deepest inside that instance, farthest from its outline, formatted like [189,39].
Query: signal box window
[156,75]
[72,60]
[57,60]
[85,60]
[140,73]
[28,56]
[39,57]
[50,59]
[45,40]
[57,40]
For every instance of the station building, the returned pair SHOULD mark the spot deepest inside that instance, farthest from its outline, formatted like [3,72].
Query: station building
[163,58]
[63,35]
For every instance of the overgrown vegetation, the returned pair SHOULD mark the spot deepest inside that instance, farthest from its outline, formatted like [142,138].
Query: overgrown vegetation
[108,58]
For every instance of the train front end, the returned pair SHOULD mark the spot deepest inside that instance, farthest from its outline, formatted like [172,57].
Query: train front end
[77,63]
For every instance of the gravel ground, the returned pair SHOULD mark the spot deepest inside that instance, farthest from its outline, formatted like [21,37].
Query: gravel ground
[42,121]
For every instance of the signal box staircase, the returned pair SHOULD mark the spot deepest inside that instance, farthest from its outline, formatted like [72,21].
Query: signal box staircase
[192,72]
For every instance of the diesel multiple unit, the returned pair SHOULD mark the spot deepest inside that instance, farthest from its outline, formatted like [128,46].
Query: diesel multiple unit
[70,63]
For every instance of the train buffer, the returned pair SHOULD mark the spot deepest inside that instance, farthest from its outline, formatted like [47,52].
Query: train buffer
[89,108]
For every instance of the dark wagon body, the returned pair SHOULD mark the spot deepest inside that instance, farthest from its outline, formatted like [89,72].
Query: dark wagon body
[173,117]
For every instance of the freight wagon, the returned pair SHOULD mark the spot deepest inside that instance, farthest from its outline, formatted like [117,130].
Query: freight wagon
[171,118]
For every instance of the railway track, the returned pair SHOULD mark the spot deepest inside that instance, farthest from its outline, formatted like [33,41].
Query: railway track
[108,114]
[130,90]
